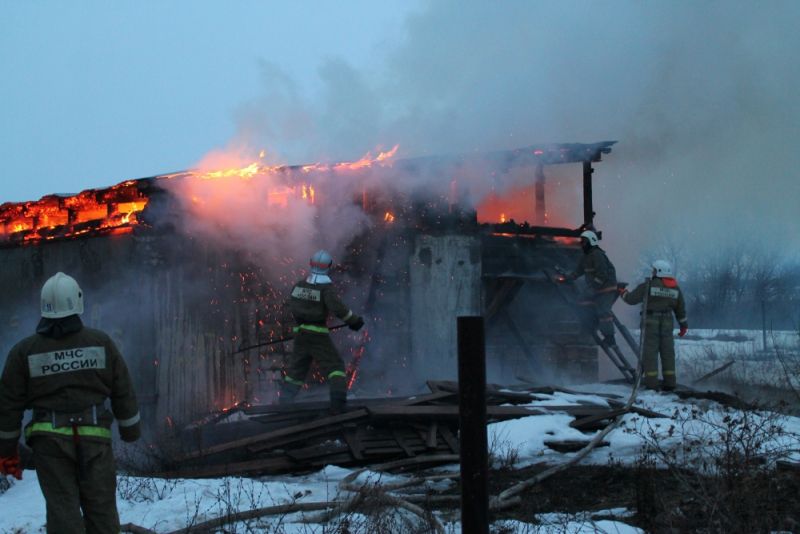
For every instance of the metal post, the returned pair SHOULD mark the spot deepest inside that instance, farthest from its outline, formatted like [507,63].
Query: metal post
[764,324]
[588,208]
[472,425]
[540,207]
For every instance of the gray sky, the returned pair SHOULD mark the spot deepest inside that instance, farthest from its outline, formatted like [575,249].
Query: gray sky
[702,96]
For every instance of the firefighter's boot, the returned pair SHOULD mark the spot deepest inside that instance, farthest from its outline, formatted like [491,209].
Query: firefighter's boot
[338,392]
[338,402]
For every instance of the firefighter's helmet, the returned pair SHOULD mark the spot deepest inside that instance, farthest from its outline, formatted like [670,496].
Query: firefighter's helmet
[662,269]
[321,262]
[61,297]
[591,237]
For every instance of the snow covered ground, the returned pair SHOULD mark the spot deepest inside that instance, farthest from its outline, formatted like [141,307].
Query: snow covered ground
[166,505]
[706,350]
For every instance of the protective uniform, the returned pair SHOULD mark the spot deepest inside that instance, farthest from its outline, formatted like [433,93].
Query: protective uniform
[664,299]
[310,303]
[601,277]
[65,373]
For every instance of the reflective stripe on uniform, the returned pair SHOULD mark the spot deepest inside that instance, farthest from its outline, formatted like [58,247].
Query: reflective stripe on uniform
[291,380]
[665,373]
[336,373]
[130,421]
[47,428]
[311,328]
[651,373]
[349,314]
[682,320]
[10,435]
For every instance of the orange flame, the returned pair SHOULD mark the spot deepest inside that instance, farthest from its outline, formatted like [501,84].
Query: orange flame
[256,168]
[114,210]
[388,217]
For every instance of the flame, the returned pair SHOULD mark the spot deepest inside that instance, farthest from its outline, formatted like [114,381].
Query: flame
[118,209]
[368,161]
[502,217]
[388,217]
[256,168]
[308,193]
[114,210]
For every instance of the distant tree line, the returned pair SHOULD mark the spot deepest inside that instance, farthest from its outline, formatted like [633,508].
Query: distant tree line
[728,286]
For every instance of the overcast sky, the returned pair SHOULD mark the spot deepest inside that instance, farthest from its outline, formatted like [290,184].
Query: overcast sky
[94,92]
[702,96]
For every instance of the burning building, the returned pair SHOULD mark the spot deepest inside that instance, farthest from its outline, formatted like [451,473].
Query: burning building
[186,269]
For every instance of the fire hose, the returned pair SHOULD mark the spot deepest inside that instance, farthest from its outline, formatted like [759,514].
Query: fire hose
[280,340]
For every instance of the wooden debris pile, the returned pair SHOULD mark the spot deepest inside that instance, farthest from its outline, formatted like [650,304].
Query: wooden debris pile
[304,436]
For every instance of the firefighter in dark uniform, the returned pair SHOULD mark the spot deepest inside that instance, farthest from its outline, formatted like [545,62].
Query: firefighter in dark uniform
[65,373]
[311,301]
[664,299]
[601,277]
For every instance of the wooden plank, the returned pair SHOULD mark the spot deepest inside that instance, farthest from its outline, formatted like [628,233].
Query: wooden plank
[316,451]
[282,442]
[649,413]
[449,412]
[450,439]
[322,406]
[388,450]
[398,437]
[713,373]
[588,421]
[430,440]
[353,442]
[280,433]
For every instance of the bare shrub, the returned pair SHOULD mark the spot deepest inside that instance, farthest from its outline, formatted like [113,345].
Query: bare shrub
[724,463]
[144,489]
[503,454]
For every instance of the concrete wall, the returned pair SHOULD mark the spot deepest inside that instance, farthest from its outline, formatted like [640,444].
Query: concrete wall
[445,275]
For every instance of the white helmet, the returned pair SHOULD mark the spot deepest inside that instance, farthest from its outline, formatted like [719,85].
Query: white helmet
[321,262]
[591,237]
[61,297]
[663,269]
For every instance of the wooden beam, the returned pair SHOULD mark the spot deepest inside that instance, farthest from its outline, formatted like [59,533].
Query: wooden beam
[352,440]
[283,432]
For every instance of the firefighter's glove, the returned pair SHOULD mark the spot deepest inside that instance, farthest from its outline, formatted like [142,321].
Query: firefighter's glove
[130,433]
[356,324]
[683,331]
[10,465]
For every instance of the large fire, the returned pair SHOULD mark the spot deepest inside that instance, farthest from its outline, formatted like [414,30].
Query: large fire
[117,210]
[112,210]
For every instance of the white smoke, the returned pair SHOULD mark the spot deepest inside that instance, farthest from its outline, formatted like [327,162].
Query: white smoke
[700,96]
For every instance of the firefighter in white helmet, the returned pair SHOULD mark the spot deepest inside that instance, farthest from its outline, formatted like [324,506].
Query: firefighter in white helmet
[664,299]
[65,373]
[601,277]
[311,301]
